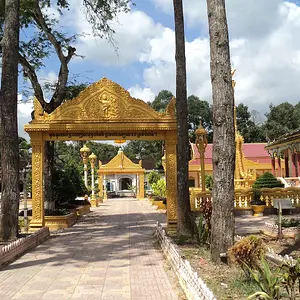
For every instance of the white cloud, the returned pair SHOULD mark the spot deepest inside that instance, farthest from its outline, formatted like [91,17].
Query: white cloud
[267,59]
[142,93]
[24,116]
[133,31]
[264,49]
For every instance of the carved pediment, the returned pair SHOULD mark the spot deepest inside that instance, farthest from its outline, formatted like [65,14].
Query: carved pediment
[103,101]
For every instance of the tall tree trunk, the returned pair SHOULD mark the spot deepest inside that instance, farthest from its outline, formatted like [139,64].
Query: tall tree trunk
[223,131]
[10,189]
[48,175]
[184,225]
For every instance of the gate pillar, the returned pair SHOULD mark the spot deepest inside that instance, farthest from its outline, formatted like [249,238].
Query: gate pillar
[38,216]
[171,180]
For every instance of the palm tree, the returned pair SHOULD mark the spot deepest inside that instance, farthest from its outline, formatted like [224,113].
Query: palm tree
[223,131]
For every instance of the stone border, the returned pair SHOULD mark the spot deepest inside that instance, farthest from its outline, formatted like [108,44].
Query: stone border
[287,232]
[192,285]
[10,252]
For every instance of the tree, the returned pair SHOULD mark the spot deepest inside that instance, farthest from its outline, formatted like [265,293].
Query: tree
[153,177]
[185,223]
[42,39]
[222,233]
[162,100]
[251,132]
[151,150]
[199,110]
[10,193]
[104,152]
[281,119]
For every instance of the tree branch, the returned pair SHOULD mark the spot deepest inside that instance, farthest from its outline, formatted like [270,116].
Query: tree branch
[31,74]
[58,95]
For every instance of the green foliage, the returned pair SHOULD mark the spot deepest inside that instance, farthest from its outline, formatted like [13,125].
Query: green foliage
[159,188]
[290,276]
[247,252]
[267,180]
[199,110]
[292,222]
[281,119]
[162,100]
[104,152]
[267,279]
[204,222]
[153,177]
[67,184]
[252,132]
[256,197]
[208,182]
[148,150]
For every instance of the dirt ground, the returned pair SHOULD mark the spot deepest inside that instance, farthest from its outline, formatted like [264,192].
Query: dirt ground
[284,246]
[229,282]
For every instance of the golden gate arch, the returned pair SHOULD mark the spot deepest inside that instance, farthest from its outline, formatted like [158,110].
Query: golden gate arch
[103,111]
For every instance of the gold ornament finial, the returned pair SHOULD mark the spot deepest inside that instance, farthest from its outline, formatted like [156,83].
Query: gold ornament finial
[232,74]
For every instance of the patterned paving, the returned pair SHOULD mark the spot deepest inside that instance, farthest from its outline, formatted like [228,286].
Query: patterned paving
[108,255]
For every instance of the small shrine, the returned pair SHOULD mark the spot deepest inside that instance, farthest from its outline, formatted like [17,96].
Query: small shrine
[121,176]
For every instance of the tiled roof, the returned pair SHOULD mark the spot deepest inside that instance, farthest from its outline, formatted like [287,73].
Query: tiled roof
[255,152]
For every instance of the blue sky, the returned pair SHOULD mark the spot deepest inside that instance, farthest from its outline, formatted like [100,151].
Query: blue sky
[264,39]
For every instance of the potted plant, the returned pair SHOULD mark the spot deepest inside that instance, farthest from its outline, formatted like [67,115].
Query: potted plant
[257,204]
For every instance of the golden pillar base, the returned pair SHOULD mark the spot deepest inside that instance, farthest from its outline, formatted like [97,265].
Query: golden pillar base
[105,196]
[172,226]
[35,226]
[94,202]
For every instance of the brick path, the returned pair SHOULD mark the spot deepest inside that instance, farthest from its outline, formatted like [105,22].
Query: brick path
[109,255]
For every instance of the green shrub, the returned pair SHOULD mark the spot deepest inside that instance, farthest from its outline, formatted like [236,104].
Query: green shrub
[268,280]
[256,198]
[208,182]
[292,222]
[153,177]
[159,188]
[67,184]
[267,180]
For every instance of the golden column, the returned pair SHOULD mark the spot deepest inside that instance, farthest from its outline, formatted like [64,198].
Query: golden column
[201,143]
[38,218]
[141,180]
[100,183]
[85,151]
[171,181]
[93,158]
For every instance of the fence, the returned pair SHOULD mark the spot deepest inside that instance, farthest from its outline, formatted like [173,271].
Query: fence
[16,248]
[243,197]
[193,286]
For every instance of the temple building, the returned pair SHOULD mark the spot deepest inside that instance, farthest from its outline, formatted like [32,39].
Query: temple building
[121,176]
[252,160]
[285,155]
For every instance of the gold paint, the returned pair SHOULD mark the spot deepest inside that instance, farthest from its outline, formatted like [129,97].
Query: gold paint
[171,180]
[38,219]
[103,111]
[243,197]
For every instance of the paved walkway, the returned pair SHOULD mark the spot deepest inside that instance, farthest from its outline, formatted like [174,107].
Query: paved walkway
[109,255]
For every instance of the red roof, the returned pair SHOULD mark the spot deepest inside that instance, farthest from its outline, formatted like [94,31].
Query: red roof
[255,152]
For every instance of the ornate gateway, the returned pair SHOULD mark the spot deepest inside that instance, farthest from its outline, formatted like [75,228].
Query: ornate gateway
[103,111]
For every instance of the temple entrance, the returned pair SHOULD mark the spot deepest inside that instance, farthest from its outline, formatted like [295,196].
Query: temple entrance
[103,111]
[125,183]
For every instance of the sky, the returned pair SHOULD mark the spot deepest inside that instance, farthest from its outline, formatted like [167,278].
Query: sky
[264,44]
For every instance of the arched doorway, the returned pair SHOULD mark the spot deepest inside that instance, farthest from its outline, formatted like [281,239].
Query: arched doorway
[103,111]
[125,183]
